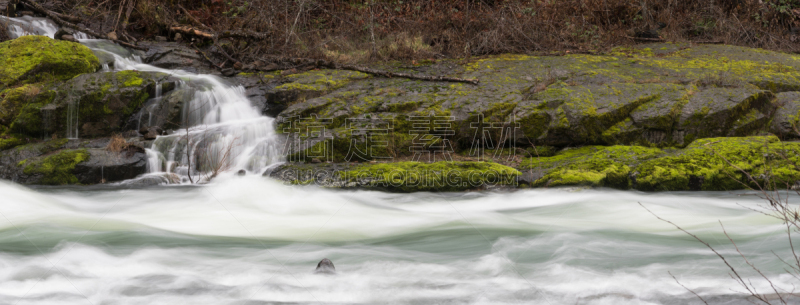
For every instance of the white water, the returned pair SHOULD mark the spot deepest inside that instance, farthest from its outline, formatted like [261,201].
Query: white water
[225,132]
[252,239]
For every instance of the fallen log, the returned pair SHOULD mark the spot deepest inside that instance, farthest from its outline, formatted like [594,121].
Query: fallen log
[184,29]
[312,63]
[55,17]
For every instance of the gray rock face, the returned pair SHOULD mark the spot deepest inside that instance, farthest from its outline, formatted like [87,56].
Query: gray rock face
[787,116]
[173,55]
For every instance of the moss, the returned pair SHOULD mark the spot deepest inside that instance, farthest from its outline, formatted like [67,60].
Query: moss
[590,165]
[438,176]
[30,59]
[20,109]
[129,78]
[57,169]
[10,141]
[704,165]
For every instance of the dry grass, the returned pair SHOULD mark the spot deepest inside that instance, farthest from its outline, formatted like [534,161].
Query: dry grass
[117,144]
[358,31]
[32,91]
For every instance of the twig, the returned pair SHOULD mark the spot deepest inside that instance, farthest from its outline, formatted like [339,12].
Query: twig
[645,39]
[735,274]
[332,65]
[687,288]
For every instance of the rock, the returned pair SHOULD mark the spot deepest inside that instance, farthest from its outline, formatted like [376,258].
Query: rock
[151,133]
[238,65]
[174,55]
[62,161]
[112,36]
[241,172]
[69,38]
[161,39]
[325,266]
[178,37]
[399,176]
[786,121]
[23,60]
[652,95]
[107,100]
[229,72]
[700,166]
[59,35]
[104,166]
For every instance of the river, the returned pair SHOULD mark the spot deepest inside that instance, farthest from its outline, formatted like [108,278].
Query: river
[252,240]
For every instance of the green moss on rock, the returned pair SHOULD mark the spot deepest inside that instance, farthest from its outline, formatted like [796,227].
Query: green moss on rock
[57,169]
[719,164]
[438,176]
[30,59]
[591,165]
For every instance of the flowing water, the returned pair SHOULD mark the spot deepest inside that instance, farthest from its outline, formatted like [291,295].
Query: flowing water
[251,240]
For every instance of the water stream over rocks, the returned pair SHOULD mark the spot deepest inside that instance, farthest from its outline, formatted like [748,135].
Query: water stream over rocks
[251,240]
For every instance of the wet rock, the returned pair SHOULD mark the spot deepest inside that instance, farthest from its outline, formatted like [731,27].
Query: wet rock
[105,166]
[325,266]
[151,133]
[241,172]
[65,34]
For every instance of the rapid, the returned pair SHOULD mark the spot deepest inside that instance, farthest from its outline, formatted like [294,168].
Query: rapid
[252,240]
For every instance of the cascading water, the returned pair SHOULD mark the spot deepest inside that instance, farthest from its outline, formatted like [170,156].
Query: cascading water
[27,25]
[220,129]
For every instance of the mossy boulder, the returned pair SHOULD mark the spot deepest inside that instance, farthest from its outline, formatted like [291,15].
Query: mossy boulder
[24,112]
[589,166]
[718,164]
[660,95]
[56,169]
[63,161]
[401,176]
[706,164]
[31,59]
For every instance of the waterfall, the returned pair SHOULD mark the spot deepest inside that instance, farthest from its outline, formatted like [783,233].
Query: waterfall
[220,129]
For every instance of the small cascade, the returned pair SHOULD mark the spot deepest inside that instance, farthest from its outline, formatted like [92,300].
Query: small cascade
[72,119]
[47,119]
[27,25]
[81,36]
[220,129]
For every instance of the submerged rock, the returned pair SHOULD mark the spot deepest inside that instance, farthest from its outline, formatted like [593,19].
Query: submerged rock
[325,266]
